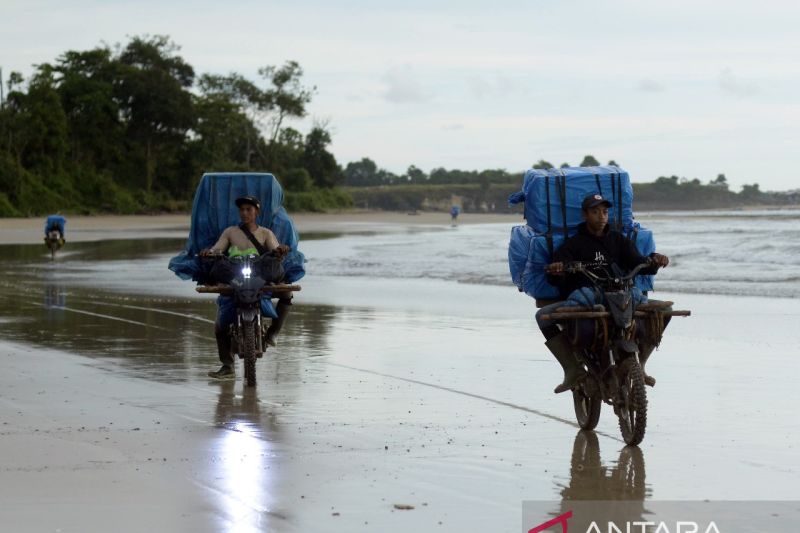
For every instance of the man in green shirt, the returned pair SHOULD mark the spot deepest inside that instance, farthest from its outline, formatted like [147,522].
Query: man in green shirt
[234,241]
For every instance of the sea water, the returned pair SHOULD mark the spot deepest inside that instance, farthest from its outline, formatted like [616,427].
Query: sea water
[748,253]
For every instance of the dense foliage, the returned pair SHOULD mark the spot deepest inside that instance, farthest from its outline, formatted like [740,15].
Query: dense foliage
[133,128]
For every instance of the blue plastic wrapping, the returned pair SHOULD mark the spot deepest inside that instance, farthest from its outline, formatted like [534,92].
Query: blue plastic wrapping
[646,244]
[55,221]
[536,284]
[214,209]
[542,192]
[530,276]
[519,247]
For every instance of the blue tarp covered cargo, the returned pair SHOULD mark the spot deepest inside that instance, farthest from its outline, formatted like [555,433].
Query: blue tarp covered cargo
[214,210]
[552,198]
[55,221]
[529,253]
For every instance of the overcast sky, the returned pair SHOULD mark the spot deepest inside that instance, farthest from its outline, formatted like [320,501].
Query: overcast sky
[681,87]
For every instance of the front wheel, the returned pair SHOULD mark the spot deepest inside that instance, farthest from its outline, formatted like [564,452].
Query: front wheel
[587,404]
[249,354]
[632,402]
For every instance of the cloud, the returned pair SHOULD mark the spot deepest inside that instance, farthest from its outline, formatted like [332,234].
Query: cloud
[402,87]
[453,127]
[732,84]
[648,85]
[498,85]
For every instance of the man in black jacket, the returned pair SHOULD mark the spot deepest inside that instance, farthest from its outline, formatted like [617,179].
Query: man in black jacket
[595,241]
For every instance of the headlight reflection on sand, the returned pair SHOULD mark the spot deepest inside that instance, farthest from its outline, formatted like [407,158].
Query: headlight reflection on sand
[243,474]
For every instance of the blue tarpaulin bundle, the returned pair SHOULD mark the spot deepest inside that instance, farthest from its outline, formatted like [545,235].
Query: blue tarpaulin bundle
[55,221]
[214,210]
[553,197]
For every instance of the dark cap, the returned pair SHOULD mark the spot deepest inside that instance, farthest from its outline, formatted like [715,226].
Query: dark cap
[252,200]
[593,200]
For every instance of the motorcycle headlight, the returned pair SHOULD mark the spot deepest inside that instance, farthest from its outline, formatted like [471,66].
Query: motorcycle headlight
[246,271]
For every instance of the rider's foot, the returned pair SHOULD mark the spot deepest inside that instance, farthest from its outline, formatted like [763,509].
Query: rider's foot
[271,340]
[564,353]
[649,381]
[224,372]
[569,382]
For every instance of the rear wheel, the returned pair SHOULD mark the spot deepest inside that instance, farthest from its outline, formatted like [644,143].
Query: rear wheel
[249,354]
[587,404]
[632,407]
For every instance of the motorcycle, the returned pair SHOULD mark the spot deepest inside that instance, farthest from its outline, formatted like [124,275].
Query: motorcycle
[54,242]
[606,340]
[247,286]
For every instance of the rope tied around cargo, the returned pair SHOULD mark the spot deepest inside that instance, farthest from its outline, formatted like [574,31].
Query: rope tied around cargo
[562,193]
[549,234]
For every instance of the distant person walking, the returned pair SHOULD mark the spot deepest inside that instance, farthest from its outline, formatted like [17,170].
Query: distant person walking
[454,212]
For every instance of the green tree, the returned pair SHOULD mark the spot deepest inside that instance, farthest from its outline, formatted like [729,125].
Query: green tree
[155,104]
[318,161]
[415,175]
[287,96]
[721,181]
[297,180]
[241,105]
[589,161]
[85,84]
[750,192]
[543,165]
[362,173]
[35,124]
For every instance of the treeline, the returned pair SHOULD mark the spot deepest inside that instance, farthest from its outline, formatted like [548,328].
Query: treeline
[680,193]
[365,173]
[132,128]
[487,191]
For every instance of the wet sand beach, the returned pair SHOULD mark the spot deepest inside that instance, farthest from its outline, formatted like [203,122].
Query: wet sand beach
[384,393]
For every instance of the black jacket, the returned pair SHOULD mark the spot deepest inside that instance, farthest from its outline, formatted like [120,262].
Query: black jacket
[612,247]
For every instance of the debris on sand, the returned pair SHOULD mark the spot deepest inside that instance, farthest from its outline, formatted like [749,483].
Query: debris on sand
[403,507]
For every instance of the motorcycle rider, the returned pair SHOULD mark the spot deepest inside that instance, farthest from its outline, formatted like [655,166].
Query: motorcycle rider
[236,241]
[55,223]
[595,241]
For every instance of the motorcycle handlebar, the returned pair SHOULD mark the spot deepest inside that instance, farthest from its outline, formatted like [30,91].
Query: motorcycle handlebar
[637,268]
[220,255]
[575,267]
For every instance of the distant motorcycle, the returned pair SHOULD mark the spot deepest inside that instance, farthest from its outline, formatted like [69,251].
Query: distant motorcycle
[605,337]
[247,285]
[54,241]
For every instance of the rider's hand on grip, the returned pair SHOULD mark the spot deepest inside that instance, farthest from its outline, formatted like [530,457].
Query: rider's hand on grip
[659,260]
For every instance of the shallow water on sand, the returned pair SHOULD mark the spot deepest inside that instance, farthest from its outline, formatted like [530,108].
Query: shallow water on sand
[397,387]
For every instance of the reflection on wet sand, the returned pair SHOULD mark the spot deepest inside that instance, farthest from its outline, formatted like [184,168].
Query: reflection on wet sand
[164,338]
[248,486]
[55,298]
[590,479]
[242,412]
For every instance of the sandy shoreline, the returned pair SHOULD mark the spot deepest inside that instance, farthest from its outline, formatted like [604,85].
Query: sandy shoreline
[95,228]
